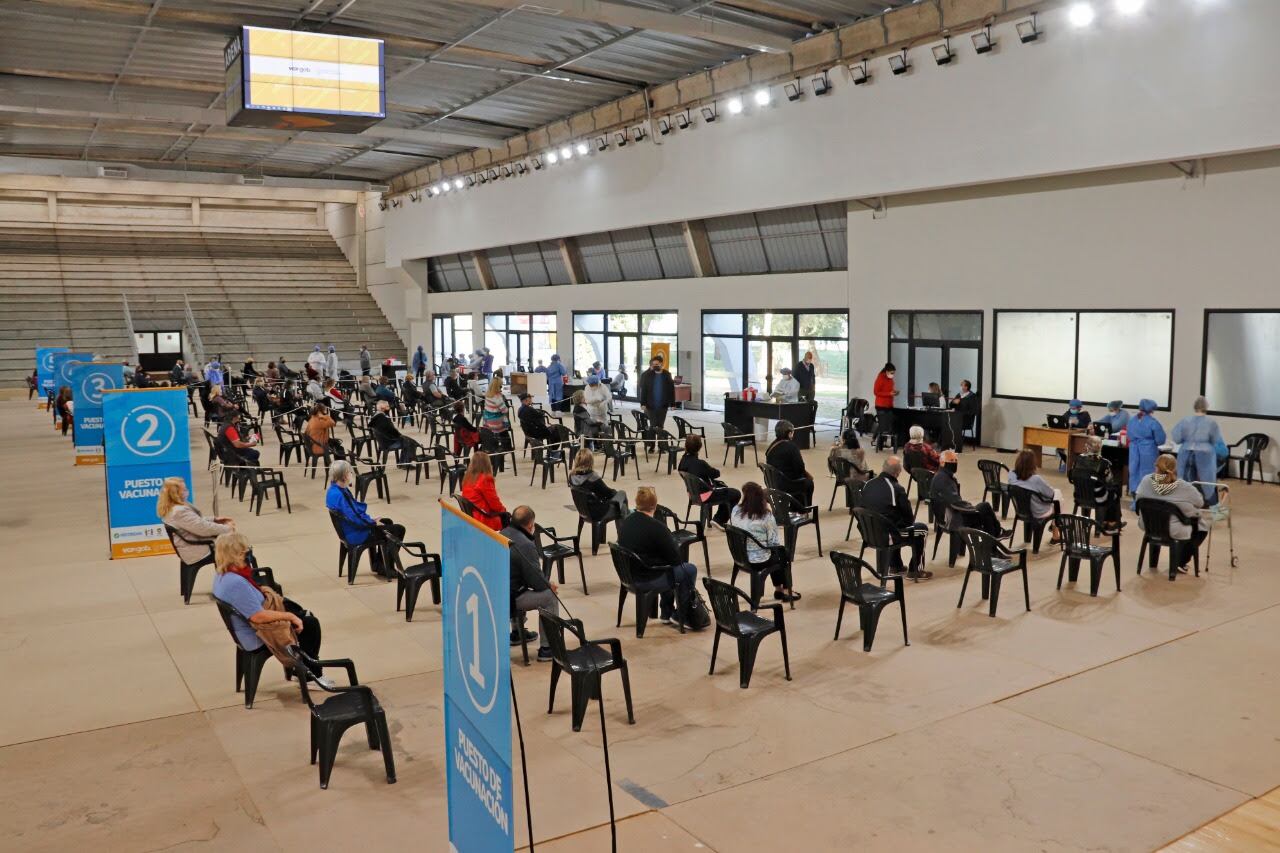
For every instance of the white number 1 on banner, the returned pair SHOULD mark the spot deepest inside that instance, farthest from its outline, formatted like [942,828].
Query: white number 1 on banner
[473,610]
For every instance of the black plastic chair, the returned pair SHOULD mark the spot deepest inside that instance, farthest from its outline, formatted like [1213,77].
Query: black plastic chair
[187,571]
[937,515]
[745,626]
[370,472]
[1032,526]
[684,429]
[791,515]
[1157,517]
[693,488]
[738,540]
[496,445]
[995,485]
[851,415]
[738,442]
[628,567]
[473,511]
[923,480]
[348,553]
[349,706]
[1085,485]
[1076,532]
[620,452]
[410,579]
[989,557]
[666,445]
[556,550]
[249,663]
[584,665]
[290,443]
[1254,444]
[870,599]
[687,533]
[596,513]
[451,468]
[876,532]
[544,460]
[247,475]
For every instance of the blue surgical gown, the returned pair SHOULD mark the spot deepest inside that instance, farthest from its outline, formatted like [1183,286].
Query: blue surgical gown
[1117,421]
[1198,437]
[555,381]
[1145,437]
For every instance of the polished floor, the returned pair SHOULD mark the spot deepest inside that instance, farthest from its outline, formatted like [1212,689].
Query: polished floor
[1123,722]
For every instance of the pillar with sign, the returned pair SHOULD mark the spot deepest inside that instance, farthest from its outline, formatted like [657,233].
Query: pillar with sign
[146,440]
[44,369]
[88,383]
[476,605]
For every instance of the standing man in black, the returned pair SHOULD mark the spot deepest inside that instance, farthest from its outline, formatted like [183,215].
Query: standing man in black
[885,496]
[657,392]
[806,374]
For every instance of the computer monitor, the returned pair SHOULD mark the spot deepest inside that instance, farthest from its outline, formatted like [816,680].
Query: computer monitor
[1102,430]
[930,401]
[1056,421]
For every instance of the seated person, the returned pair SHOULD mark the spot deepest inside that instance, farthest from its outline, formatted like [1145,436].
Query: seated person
[848,449]
[249,371]
[784,455]
[714,493]
[261,396]
[218,405]
[936,390]
[319,431]
[479,488]
[386,433]
[286,372]
[944,491]
[585,425]
[335,398]
[755,516]
[432,393]
[246,447]
[178,373]
[787,389]
[1115,419]
[532,421]
[1163,485]
[253,606]
[1092,473]
[386,394]
[142,380]
[1077,416]
[583,476]
[358,527]
[651,541]
[886,496]
[618,384]
[1046,501]
[465,435]
[597,399]
[530,589]
[918,453]
[315,390]
[966,403]
[454,385]
[410,394]
[195,532]
[494,414]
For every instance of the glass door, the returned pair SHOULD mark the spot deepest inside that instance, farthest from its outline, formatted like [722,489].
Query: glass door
[765,358]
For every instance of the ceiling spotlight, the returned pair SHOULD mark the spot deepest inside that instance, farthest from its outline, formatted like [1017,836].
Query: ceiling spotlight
[682,120]
[762,97]
[821,84]
[458,184]
[1027,31]
[792,90]
[482,177]
[735,106]
[1081,15]
[506,170]
[537,163]
[942,52]
[382,205]
[709,114]
[664,126]
[602,142]
[899,64]
[522,169]
[471,181]
[566,153]
[444,187]
[859,73]
[395,202]
[582,148]
[493,174]
[639,132]
[415,197]
[620,139]
[1129,7]
[982,41]
[552,157]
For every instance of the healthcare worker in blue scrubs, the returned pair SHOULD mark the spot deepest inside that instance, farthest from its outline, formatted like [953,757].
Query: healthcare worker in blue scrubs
[1116,417]
[1145,437]
[1198,438]
[555,380]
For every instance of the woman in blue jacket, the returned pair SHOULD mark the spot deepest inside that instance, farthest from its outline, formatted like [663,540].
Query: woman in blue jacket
[1145,437]
[358,527]
[555,380]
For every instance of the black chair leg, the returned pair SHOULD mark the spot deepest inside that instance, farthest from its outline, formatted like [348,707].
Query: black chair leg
[839,617]
[1026,590]
[626,691]
[870,622]
[964,586]
[715,649]
[622,601]
[902,605]
[411,599]
[747,649]
[1062,566]
[252,673]
[1095,577]
[551,696]
[581,696]
[995,594]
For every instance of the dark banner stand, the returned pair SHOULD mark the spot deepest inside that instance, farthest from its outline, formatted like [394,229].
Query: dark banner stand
[524,763]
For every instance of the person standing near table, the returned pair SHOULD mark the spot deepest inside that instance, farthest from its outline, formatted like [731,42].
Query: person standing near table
[419,363]
[884,391]
[1145,437]
[555,380]
[657,390]
[1198,438]
[807,375]
[366,361]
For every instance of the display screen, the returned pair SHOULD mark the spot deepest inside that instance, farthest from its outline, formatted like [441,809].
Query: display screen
[309,73]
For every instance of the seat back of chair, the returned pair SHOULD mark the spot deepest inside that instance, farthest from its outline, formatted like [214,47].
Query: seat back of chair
[338,521]
[923,479]
[226,611]
[642,420]
[467,506]
[857,408]
[1022,503]
[588,507]
[772,476]
[993,472]
[1255,443]
[912,458]
[553,628]
[981,547]
[853,493]
[872,527]
[724,605]
[849,573]
[623,560]
[683,427]
[1075,530]
[1085,482]
[737,540]
[1157,519]
[839,467]
[782,505]
[692,487]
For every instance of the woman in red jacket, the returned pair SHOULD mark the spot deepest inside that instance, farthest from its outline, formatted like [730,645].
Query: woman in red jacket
[478,487]
[884,391]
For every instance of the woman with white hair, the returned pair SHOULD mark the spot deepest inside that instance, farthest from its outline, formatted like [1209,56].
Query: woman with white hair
[1199,439]
[358,527]
[918,453]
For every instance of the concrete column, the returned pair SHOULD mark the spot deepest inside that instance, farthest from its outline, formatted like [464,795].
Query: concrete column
[572,259]
[480,263]
[195,211]
[53,206]
[699,246]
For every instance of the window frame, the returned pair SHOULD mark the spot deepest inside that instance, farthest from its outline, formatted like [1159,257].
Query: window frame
[605,332]
[1204,359]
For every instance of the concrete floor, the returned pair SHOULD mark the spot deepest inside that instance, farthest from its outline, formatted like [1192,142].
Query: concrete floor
[1118,723]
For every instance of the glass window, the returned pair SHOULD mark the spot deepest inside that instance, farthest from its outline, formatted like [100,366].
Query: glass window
[715,323]
[831,369]
[721,369]
[824,326]
[624,323]
[612,340]
[771,324]
[588,348]
[1242,362]
[145,342]
[659,323]
[588,322]
[899,324]
[952,326]
[169,342]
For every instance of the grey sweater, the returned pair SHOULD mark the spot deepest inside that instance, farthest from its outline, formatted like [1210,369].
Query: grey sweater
[1185,497]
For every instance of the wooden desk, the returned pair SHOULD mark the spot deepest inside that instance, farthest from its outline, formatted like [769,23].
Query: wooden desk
[1037,438]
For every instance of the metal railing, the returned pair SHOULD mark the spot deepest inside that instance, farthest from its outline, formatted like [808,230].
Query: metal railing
[193,332]
[128,328]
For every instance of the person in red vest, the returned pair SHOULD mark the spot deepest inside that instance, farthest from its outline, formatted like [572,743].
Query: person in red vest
[884,391]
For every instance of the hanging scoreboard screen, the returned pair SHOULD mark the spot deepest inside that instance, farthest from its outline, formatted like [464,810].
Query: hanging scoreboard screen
[304,81]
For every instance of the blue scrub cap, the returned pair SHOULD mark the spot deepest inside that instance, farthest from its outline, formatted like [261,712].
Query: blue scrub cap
[1075,404]
[1147,405]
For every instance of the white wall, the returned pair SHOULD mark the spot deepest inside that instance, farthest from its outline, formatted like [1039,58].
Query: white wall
[358,229]
[1185,78]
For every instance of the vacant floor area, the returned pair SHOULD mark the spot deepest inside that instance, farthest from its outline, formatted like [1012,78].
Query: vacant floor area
[1121,722]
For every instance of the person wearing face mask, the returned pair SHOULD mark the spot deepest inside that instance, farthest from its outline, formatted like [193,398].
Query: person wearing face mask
[1077,417]
[945,492]
[1145,435]
[884,391]
[884,495]
[807,376]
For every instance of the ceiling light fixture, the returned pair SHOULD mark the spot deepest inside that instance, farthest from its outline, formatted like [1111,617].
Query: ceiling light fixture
[793,90]
[709,114]
[566,153]
[639,132]
[982,41]
[664,126]
[899,64]
[521,168]
[735,106]
[582,148]
[859,73]
[537,163]
[942,52]
[762,97]
[444,187]
[458,184]
[552,158]
[620,139]
[1027,31]
[602,142]
[682,120]
[1081,15]
[821,84]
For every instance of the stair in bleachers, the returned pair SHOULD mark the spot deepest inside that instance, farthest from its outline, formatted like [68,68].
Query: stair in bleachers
[252,293]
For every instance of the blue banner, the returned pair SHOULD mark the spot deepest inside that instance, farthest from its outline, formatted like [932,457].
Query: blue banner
[62,361]
[146,439]
[476,605]
[88,382]
[44,368]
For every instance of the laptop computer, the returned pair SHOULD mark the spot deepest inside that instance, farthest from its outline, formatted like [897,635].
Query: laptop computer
[1056,421]
[930,401]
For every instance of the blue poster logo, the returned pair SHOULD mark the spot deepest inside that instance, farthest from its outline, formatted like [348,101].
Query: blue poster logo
[44,366]
[477,675]
[62,362]
[89,382]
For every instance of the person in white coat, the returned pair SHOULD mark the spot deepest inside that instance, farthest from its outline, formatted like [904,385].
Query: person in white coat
[331,364]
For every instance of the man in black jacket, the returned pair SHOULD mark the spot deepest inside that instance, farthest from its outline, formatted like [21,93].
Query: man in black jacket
[784,455]
[532,423]
[945,492]
[530,589]
[657,391]
[384,429]
[649,539]
[885,496]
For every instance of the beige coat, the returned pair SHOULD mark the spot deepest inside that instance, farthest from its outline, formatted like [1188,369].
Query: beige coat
[194,526]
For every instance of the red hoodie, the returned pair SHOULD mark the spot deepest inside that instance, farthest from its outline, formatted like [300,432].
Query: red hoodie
[883,391]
